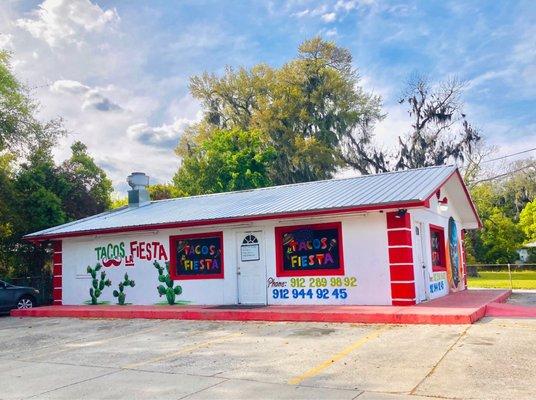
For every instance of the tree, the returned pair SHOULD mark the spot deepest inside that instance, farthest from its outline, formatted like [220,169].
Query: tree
[85,188]
[440,132]
[519,187]
[500,236]
[227,160]
[527,220]
[162,191]
[38,187]
[311,110]
[19,129]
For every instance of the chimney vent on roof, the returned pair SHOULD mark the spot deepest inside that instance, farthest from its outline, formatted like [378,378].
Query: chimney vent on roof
[138,195]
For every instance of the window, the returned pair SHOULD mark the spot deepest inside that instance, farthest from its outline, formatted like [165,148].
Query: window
[309,250]
[437,241]
[250,239]
[196,256]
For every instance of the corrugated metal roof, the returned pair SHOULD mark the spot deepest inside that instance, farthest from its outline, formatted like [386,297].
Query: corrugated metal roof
[363,191]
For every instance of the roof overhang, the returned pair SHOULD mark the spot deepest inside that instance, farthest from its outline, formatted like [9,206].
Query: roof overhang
[466,207]
[234,220]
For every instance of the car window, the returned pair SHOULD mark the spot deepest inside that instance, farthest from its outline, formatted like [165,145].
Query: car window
[2,285]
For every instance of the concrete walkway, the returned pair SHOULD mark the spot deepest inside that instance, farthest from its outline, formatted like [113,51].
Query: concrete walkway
[464,307]
[140,359]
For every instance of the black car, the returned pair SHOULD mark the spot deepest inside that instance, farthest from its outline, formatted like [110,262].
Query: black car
[12,296]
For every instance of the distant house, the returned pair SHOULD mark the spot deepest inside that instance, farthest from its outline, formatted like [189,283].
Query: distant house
[524,252]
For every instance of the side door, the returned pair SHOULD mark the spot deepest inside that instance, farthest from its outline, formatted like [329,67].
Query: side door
[251,268]
[419,264]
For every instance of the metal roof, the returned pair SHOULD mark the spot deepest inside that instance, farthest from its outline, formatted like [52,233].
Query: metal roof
[336,194]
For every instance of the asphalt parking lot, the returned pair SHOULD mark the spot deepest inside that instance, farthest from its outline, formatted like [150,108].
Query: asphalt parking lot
[62,358]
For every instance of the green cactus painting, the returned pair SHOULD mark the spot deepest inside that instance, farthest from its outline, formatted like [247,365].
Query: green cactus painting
[168,290]
[120,294]
[98,284]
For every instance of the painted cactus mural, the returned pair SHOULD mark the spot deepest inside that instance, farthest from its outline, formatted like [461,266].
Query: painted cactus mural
[120,294]
[98,284]
[168,290]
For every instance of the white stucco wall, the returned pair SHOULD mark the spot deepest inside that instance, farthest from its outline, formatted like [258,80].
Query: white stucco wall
[365,259]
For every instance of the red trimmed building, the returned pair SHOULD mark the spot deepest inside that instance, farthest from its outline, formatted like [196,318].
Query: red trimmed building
[382,239]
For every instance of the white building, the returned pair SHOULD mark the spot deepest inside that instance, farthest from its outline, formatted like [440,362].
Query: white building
[383,239]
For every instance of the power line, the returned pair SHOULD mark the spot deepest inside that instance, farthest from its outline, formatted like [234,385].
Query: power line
[509,155]
[505,174]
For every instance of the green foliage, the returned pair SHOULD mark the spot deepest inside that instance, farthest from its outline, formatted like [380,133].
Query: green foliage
[168,290]
[85,187]
[527,220]
[36,193]
[120,294]
[227,160]
[118,202]
[162,191]
[98,282]
[19,129]
[500,236]
[40,194]
[311,110]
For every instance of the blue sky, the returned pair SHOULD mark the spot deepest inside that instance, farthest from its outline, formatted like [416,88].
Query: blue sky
[117,71]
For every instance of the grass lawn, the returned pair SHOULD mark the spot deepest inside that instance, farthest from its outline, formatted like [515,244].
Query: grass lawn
[500,280]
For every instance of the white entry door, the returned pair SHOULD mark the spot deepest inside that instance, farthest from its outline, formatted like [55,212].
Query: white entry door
[420,269]
[251,267]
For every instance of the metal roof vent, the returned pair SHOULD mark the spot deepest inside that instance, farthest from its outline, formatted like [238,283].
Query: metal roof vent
[138,195]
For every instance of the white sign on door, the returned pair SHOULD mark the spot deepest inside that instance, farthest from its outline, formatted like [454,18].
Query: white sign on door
[250,252]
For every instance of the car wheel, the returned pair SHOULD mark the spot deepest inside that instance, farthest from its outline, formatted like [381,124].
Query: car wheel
[25,302]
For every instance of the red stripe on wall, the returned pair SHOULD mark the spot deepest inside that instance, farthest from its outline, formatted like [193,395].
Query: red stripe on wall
[57,270]
[56,246]
[57,295]
[400,255]
[400,258]
[56,281]
[403,290]
[397,238]
[395,221]
[56,258]
[402,272]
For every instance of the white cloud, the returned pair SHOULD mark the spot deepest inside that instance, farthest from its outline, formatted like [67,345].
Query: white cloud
[329,17]
[59,22]
[301,14]
[165,136]
[69,86]
[331,32]
[349,5]
[5,40]
[92,98]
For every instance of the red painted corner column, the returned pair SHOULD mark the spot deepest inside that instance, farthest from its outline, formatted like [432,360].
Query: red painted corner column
[400,259]
[57,273]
